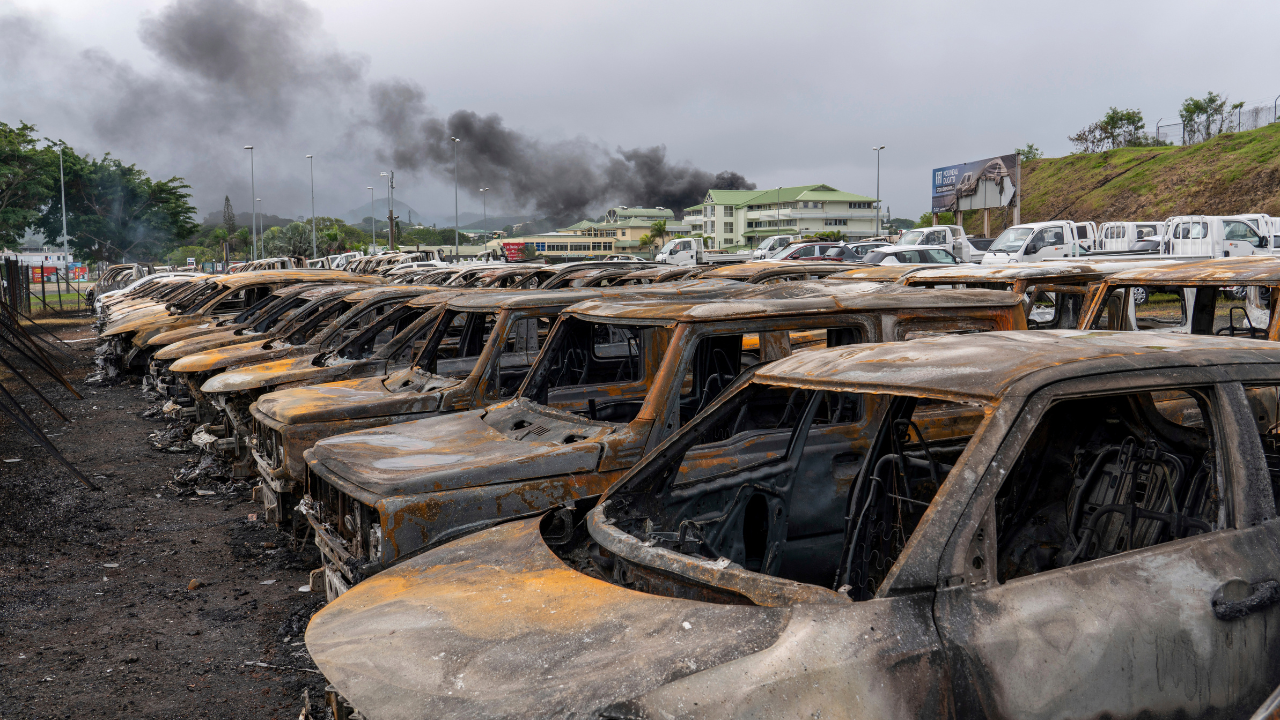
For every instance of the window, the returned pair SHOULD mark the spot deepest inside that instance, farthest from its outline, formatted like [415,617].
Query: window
[728,228]
[835,223]
[1237,230]
[518,352]
[711,226]
[542,247]
[456,342]
[934,255]
[1103,475]
[597,246]
[726,210]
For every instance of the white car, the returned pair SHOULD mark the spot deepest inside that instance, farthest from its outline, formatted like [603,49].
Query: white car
[910,255]
[164,277]
[624,258]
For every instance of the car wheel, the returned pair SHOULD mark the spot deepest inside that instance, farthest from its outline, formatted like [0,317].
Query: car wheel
[1140,296]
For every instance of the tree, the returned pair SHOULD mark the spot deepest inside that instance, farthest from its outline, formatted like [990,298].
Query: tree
[658,232]
[1197,116]
[926,219]
[1117,129]
[646,240]
[228,215]
[116,211]
[829,235]
[1030,152]
[292,239]
[28,180]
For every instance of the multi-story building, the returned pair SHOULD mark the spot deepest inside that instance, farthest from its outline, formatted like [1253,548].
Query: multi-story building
[626,225]
[743,217]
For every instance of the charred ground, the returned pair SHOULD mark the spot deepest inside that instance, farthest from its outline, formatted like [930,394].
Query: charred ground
[79,639]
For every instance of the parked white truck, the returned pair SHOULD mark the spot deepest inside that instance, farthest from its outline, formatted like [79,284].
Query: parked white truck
[693,251]
[772,244]
[1122,236]
[948,237]
[1187,237]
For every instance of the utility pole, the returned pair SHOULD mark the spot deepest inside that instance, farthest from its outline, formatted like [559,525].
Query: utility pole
[877,150]
[254,194]
[393,233]
[455,195]
[66,251]
[313,207]
[485,206]
[373,219]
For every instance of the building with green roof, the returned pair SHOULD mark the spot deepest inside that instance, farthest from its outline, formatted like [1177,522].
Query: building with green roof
[744,217]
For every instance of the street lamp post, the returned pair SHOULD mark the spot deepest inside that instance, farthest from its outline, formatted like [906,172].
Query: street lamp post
[385,175]
[313,207]
[254,194]
[455,142]
[485,207]
[373,219]
[262,251]
[878,149]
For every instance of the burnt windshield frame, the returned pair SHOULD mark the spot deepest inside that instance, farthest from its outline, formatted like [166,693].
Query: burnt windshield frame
[536,386]
[360,345]
[316,320]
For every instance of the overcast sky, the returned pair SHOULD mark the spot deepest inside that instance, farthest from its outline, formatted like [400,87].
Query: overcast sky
[783,93]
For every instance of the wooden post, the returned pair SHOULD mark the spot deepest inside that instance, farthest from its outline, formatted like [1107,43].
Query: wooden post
[959,217]
[935,218]
[42,295]
[57,284]
[986,222]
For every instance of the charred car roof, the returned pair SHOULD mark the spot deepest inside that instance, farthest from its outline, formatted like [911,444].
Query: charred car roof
[1078,272]
[984,366]
[809,297]
[1249,270]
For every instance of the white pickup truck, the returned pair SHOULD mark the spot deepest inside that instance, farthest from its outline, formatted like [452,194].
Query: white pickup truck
[1187,237]
[1122,236]
[948,237]
[693,251]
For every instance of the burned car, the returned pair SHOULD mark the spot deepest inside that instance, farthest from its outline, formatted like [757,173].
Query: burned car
[477,353]
[1224,296]
[614,379]
[290,313]
[124,344]
[1034,524]
[384,333]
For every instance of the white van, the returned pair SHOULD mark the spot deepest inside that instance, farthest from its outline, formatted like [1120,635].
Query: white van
[771,245]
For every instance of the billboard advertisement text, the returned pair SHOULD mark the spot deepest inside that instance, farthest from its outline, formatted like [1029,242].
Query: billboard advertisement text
[986,183]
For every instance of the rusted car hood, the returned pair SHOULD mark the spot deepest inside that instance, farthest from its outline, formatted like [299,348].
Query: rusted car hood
[233,355]
[446,452]
[495,625]
[349,400]
[152,321]
[276,372]
[208,327]
[202,342]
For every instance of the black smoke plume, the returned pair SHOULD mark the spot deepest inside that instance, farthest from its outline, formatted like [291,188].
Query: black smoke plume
[263,72]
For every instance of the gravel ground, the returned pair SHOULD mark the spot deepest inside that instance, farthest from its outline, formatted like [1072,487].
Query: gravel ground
[147,599]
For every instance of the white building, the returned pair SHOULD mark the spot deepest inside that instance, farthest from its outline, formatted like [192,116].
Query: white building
[742,217]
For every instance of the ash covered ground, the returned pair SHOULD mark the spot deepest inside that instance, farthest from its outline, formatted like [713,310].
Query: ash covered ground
[146,599]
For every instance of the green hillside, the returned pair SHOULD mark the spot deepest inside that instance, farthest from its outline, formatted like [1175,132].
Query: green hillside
[1232,173]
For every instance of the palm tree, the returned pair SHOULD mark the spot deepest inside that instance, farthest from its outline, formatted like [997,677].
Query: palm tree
[657,231]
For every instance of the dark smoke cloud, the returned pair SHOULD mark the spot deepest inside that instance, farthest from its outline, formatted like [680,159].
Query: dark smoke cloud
[563,181]
[263,72]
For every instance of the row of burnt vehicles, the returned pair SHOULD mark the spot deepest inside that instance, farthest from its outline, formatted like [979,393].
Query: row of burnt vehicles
[774,490]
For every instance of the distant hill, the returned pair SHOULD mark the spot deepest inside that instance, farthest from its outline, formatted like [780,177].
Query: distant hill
[406,213]
[494,222]
[1232,173]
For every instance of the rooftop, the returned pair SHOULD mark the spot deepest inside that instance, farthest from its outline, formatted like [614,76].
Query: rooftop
[983,366]
[1253,269]
[796,298]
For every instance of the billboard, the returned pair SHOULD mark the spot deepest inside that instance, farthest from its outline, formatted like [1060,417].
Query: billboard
[976,185]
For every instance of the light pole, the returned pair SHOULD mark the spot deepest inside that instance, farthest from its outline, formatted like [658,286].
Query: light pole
[262,251]
[373,219]
[313,207]
[455,195]
[254,194]
[66,257]
[382,174]
[877,150]
[484,205]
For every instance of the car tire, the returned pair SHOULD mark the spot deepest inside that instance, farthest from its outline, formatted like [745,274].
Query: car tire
[1140,295]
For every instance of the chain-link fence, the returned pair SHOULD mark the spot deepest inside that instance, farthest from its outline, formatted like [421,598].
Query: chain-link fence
[1243,118]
